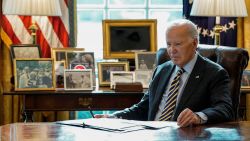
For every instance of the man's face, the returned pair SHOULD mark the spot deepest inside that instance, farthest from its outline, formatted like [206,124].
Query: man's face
[180,45]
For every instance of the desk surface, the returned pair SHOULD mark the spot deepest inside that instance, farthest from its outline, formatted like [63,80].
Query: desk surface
[52,131]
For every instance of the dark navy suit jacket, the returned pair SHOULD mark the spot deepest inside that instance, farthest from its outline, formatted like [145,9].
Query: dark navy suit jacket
[207,91]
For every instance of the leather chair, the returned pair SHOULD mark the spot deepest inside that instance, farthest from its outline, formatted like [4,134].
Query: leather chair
[233,59]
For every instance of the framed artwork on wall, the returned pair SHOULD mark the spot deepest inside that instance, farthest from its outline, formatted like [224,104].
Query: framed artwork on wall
[25,51]
[34,74]
[121,38]
[105,68]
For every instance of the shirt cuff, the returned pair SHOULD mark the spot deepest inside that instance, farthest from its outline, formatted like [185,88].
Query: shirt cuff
[202,116]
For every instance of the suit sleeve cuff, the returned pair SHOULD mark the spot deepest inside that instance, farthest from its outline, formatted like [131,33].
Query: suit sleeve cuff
[202,116]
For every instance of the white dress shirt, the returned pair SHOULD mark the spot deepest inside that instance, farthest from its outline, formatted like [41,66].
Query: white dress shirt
[183,81]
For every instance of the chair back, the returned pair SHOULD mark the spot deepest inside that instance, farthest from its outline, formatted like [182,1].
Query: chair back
[233,59]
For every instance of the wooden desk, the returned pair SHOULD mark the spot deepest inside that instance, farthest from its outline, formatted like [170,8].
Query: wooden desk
[244,109]
[75,100]
[50,131]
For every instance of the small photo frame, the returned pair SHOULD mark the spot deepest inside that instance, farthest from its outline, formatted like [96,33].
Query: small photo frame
[245,81]
[59,54]
[81,60]
[121,38]
[145,60]
[104,69]
[59,73]
[121,76]
[34,74]
[143,76]
[25,51]
[78,79]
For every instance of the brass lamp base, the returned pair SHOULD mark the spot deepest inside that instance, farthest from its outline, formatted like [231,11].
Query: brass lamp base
[217,30]
[33,28]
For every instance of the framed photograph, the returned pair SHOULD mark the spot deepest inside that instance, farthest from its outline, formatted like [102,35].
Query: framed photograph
[143,76]
[81,60]
[34,74]
[25,51]
[245,81]
[122,38]
[121,76]
[59,73]
[104,69]
[78,79]
[59,54]
[145,60]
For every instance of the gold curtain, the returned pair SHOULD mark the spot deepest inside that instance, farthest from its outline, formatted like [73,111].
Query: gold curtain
[11,106]
[243,31]
[243,41]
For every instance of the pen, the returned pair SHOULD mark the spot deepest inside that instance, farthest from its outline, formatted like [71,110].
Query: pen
[91,112]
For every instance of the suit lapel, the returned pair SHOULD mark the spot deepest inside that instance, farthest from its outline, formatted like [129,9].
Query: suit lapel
[193,81]
[162,84]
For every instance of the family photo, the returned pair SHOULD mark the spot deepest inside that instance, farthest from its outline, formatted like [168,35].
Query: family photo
[78,79]
[82,60]
[145,60]
[34,74]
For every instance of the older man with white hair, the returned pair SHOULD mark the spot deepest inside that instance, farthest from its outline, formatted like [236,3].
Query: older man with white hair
[189,89]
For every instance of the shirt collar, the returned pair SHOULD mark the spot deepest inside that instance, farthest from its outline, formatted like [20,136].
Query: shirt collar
[190,65]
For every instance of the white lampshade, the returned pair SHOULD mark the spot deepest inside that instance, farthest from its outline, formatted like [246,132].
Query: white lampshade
[221,8]
[32,7]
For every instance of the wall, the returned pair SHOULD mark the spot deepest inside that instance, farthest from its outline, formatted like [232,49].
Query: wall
[1,64]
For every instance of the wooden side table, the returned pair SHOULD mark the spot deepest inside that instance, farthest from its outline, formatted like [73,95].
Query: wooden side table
[74,100]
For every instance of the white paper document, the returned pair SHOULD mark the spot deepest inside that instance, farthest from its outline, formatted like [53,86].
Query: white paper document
[120,125]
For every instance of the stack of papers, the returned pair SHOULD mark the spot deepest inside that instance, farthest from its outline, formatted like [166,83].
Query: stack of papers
[119,125]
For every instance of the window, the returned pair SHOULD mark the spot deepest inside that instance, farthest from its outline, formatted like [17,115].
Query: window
[90,14]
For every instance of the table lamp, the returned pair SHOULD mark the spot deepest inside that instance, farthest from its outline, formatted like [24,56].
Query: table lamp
[32,8]
[219,8]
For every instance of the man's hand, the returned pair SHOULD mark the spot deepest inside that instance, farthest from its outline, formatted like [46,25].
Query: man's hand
[187,117]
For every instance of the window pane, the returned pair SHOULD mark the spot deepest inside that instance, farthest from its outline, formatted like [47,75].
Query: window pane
[127,14]
[90,15]
[91,3]
[88,2]
[163,17]
[166,2]
[90,31]
[126,3]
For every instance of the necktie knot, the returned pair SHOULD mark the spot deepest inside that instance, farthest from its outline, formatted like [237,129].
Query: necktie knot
[180,71]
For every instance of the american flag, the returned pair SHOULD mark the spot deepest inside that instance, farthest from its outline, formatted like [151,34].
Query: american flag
[56,32]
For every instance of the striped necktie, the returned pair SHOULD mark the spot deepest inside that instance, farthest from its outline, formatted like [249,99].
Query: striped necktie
[172,97]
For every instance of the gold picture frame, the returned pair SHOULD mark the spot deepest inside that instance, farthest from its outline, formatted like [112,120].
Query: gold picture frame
[25,51]
[59,54]
[60,66]
[145,60]
[121,76]
[34,74]
[245,81]
[121,38]
[104,69]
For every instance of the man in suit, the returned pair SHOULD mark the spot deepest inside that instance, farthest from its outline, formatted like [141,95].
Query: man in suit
[202,92]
